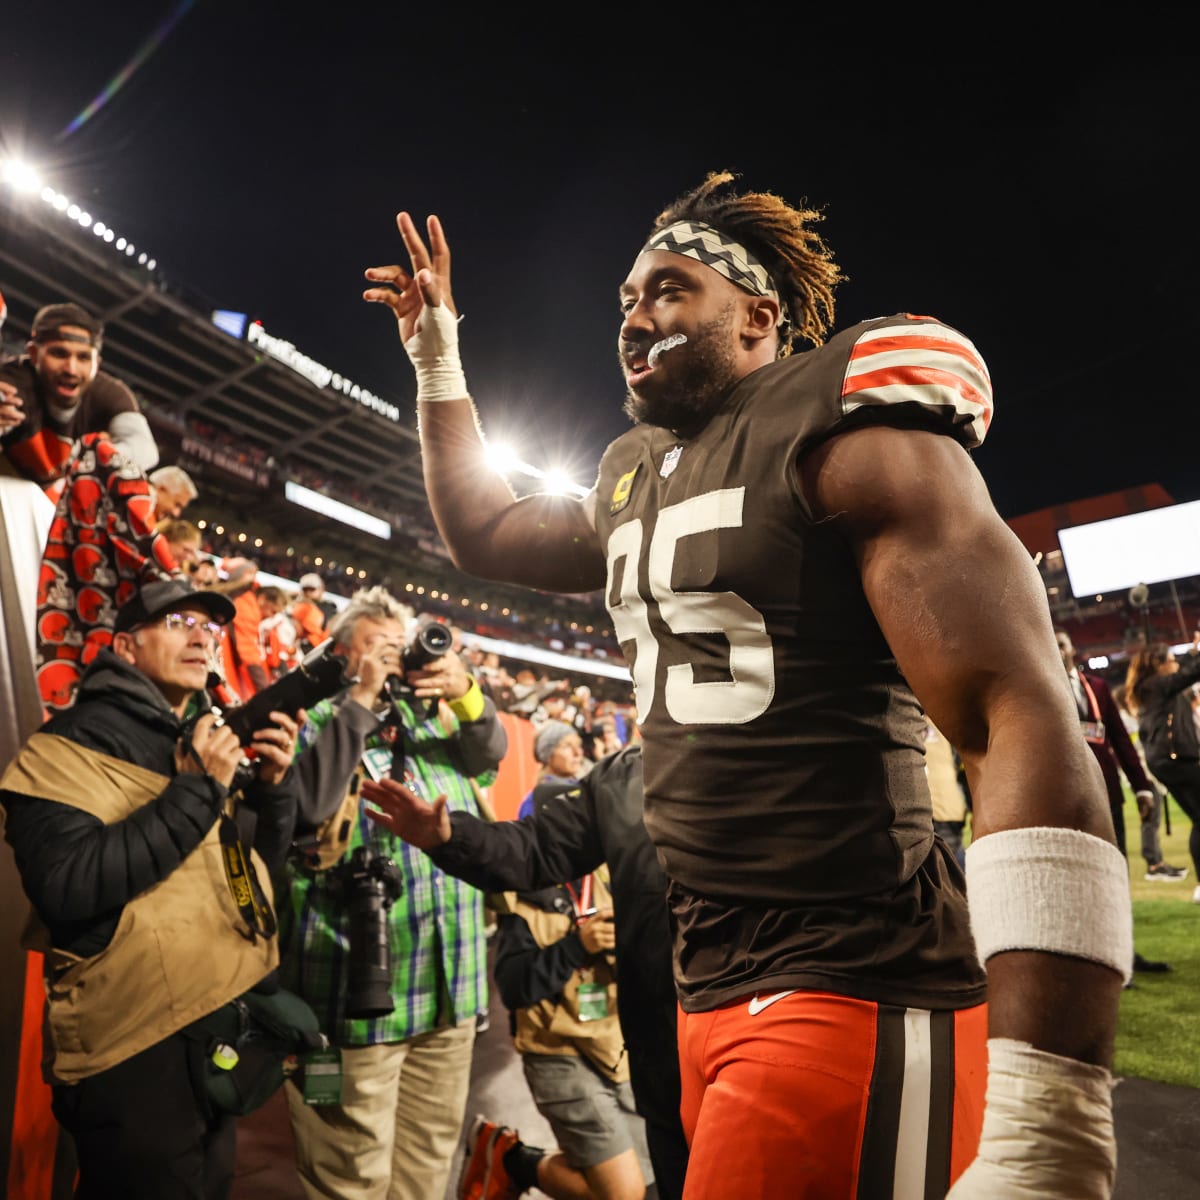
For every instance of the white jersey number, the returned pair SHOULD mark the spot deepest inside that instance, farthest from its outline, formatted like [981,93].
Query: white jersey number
[748,692]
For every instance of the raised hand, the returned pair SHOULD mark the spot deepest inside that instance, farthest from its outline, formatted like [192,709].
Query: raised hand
[395,807]
[407,293]
[215,750]
[424,311]
[597,932]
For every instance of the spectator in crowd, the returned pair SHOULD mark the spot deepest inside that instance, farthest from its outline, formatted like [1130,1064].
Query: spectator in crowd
[556,706]
[597,821]
[117,812]
[1105,733]
[945,793]
[495,679]
[244,670]
[1158,690]
[312,589]
[100,548]
[605,738]
[64,394]
[529,692]
[174,490]
[277,632]
[406,1045]
[1151,817]
[836,556]
[205,574]
[1104,728]
[312,612]
[556,971]
[183,539]
[559,752]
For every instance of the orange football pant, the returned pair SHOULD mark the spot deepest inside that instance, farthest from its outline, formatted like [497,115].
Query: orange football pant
[813,1096]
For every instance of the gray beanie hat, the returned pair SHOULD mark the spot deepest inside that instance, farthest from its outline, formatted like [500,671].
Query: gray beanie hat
[547,737]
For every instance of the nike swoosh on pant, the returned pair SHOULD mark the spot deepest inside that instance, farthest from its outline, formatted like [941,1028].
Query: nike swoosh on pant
[757,1005]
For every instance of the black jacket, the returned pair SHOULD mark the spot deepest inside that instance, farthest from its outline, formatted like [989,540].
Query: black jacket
[596,821]
[526,972]
[1166,722]
[78,872]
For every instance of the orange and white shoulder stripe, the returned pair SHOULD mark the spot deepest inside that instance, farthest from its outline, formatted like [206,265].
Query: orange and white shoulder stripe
[931,365]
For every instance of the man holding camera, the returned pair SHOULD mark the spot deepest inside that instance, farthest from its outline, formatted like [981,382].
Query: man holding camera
[387,949]
[150,881]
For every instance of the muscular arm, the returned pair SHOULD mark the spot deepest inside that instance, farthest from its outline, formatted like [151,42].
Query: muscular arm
[963,609]
[541,541]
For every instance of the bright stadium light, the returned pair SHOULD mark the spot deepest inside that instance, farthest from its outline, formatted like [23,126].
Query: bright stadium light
[557,484]
[501,457]
[20,176]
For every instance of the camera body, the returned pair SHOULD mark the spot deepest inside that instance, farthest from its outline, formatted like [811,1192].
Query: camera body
[369,884]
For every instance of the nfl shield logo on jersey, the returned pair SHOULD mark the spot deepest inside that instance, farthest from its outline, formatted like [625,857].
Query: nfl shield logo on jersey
[670,461]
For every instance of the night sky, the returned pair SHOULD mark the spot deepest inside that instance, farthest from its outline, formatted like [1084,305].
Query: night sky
[1044,207]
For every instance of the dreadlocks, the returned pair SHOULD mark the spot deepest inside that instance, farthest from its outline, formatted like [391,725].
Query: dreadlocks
[780,236]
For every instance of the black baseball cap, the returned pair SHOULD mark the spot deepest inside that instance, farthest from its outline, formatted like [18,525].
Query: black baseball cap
[156,599]
[50,320]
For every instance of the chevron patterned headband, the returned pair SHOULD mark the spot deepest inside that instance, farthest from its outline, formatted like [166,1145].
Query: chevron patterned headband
[709,246]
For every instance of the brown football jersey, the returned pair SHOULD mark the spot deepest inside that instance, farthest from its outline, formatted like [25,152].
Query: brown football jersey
[784,761]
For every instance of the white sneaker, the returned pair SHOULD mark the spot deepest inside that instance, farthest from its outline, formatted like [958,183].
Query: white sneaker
[1196,896]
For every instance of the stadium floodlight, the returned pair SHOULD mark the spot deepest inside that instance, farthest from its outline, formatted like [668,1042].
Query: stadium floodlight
[557,484]
[501,457]
[20,176]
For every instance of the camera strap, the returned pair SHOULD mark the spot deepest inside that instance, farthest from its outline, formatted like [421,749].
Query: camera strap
[247,894]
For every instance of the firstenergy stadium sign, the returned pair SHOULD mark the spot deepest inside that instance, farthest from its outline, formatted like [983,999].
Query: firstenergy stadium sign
[317,373]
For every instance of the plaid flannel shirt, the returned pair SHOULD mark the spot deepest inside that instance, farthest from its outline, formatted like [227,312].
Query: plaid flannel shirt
[435,927]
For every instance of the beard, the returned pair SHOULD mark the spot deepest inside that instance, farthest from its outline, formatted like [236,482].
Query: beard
[701,373]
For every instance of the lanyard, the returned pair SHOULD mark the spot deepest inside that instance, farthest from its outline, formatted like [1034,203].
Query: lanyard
[583,900]
[1090,696]
[243,883]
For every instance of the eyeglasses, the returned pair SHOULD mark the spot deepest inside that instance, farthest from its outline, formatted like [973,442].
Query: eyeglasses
[177,621]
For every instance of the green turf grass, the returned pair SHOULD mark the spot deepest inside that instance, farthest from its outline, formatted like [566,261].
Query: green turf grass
[1158,1036]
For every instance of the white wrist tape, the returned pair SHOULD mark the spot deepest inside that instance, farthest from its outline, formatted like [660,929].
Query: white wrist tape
[1047,1129]
[1059,890]
[433,349]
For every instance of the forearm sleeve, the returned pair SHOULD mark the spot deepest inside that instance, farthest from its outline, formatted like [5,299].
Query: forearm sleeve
[323,768]
[482,743]
[130,432]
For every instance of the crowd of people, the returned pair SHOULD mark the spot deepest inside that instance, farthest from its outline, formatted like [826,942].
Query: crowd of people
[748,895]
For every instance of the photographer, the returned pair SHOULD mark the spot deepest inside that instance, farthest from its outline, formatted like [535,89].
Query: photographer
[119,814]
[373,928]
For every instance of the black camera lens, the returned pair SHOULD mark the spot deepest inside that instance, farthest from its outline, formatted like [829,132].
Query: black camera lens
[371,884]
[431,640]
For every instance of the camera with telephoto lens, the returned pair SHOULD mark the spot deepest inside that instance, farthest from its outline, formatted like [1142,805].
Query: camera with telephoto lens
[319,675]
[428,641]
[369,885]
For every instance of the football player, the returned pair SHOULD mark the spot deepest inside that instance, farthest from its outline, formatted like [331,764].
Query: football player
[799,555]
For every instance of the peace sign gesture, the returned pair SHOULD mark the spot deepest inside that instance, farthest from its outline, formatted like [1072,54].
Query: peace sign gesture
[424,310]
[428,283]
